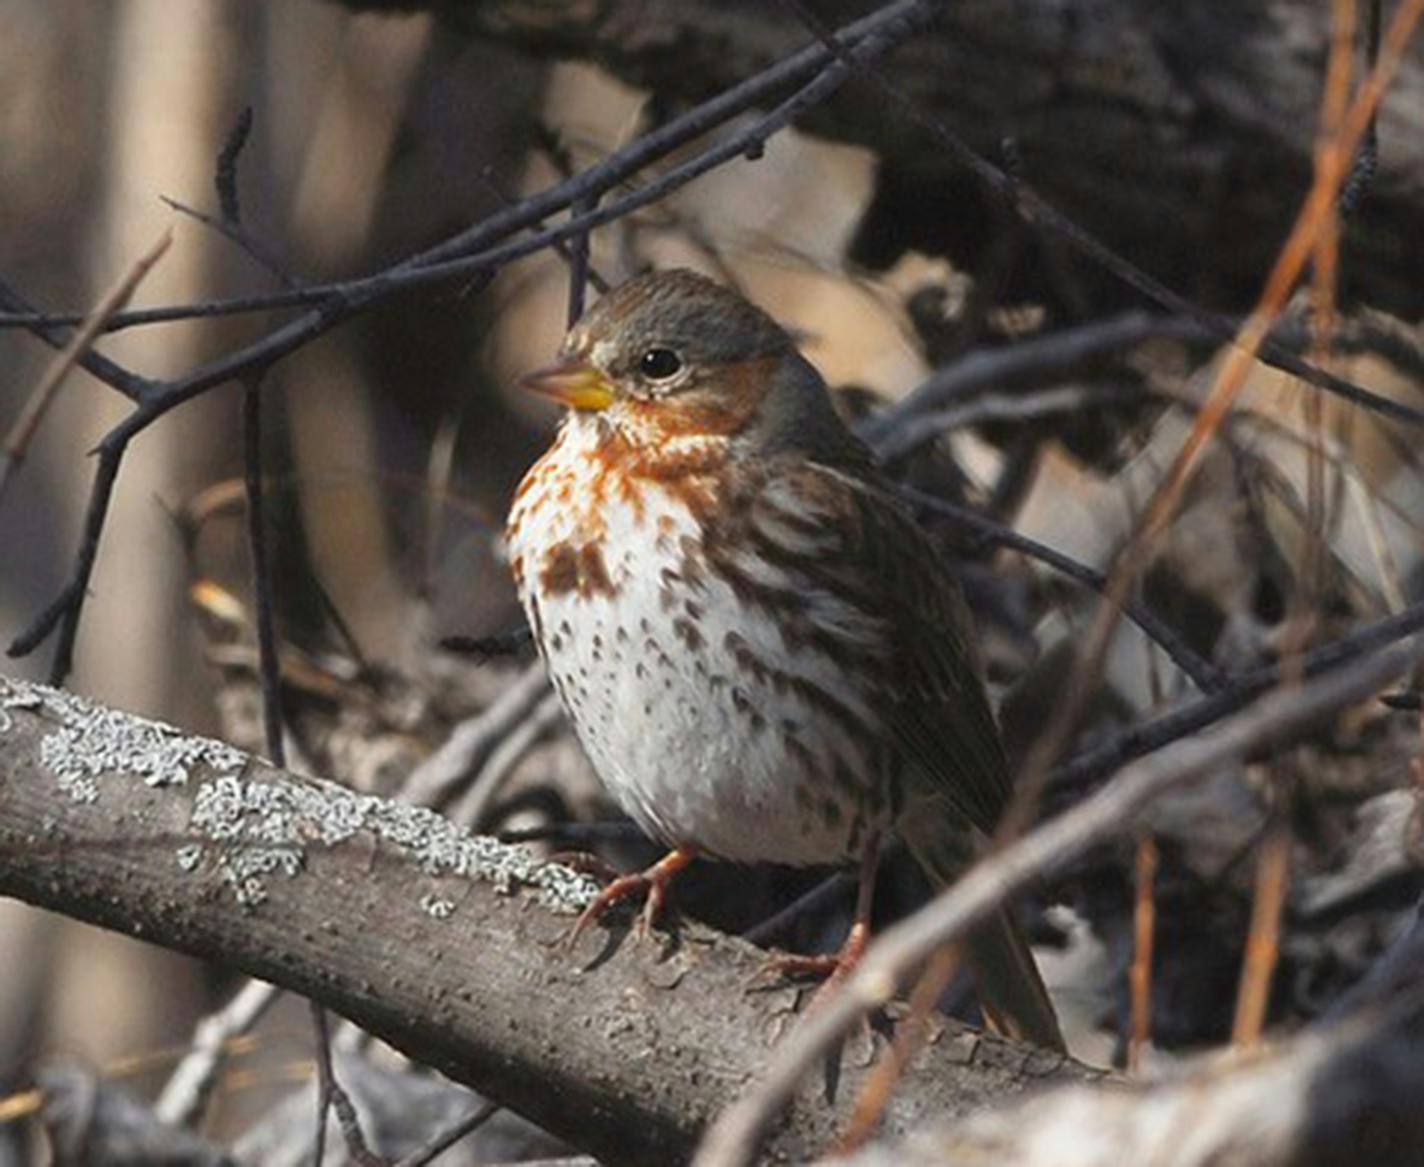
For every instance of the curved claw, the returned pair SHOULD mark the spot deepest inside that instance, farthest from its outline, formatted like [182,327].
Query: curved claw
[654,882]
[833,967]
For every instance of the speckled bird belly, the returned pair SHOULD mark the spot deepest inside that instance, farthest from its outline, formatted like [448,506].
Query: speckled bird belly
[706,726]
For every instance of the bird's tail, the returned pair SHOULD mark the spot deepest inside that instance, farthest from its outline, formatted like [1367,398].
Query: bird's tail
[1011,991]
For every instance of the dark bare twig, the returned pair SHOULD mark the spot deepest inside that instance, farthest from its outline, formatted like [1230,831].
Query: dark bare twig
[229,221]
[1038,404]
[563,248]
[269,666]
[350,645]
[446,1139]
[509,643]
[238,234]
[1394,344]
[1143,737]
[1205,675]
[900,428]
[192,1081]
[225,172]
[17,441]
[65,609]
[825,893]
[330,1092]
[269,673]
[331,1096]
[324,1080]
[110,372]
[1362,173]
[578,264]
[581,272]
[577,835]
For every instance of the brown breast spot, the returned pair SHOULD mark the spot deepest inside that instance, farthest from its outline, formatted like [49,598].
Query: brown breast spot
[593,574]
[576,569]
[560,574]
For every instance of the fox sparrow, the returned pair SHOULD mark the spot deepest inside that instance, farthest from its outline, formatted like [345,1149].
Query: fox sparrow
[756,644]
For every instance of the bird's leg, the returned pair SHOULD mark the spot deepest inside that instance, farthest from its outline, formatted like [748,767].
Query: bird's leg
[653,881]
[835,967]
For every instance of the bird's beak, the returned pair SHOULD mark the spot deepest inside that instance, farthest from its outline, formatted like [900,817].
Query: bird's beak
[572,382]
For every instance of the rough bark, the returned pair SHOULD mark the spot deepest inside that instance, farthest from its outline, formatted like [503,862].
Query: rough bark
[1332,1099]
[443,944]
[1181,132]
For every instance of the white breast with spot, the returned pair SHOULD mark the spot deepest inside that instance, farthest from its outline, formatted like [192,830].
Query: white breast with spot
[652,667]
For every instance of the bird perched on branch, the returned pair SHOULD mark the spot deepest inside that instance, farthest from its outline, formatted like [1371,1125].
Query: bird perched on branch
[756,644]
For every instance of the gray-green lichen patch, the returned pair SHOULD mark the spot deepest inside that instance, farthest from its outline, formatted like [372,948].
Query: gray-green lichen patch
[90,741]
[264,829]
[437,908]
[253,829]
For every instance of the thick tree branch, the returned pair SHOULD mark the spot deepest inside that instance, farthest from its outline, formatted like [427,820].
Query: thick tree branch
[1340,1097]
[444,944]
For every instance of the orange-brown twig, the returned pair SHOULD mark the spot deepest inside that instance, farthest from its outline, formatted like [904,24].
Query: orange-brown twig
[909,1035]
[1263,942]
[17,441]
[1273,864]
[1144,926]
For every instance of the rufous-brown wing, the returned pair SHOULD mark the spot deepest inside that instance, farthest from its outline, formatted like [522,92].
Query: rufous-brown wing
[862,543]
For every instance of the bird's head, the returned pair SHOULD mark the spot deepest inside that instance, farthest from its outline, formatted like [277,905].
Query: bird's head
[673,356]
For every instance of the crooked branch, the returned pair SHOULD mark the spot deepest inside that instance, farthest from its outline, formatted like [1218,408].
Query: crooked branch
[444,944]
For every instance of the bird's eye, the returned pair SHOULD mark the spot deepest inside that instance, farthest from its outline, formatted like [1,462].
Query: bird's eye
[658,364]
